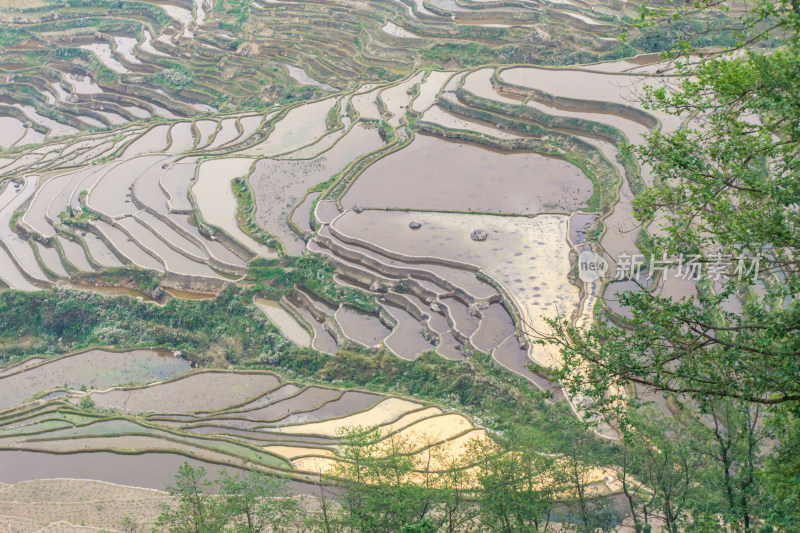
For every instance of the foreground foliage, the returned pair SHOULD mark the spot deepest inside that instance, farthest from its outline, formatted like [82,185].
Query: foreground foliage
[727,186]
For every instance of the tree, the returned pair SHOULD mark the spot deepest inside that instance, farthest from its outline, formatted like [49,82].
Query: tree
[258,503]
[726,187]
[380,490]
[661,463]
[243,503]
[725,193]
[195,510]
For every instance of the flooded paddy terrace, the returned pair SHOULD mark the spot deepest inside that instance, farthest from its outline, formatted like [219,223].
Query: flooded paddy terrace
[465,246]
[281,425]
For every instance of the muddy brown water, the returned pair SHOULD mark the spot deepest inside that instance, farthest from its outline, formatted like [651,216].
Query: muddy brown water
[362,327]
[436,174]
[190,295]
[350,402]
[95,368]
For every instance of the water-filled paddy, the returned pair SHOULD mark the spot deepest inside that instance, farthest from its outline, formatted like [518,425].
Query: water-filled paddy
[12,198]
[217,203]
[362,327]
[285,322]
[111,194]
[584,85]
[99,251]
[279,185]
[127,247]
[428,89]
[94,368]
[406,340]
[396,98]
[175,181]
[386,411]
[436,174]
[303,78]
[302,213]
[11,130]
[75,254]
[202,391]
[155,140]
[227,132]
[527,256]
[149,470]
[396,31]
[437,115]
[301,126]
[182,137]
[349,402]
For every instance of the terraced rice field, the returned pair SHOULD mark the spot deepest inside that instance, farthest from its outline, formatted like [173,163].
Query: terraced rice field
[152,200]
[219,420]
[454,200]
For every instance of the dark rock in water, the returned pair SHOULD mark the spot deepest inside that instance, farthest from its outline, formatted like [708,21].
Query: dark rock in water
[414,225]
[157,293]
[163,165]
[479,235]
[357,208]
